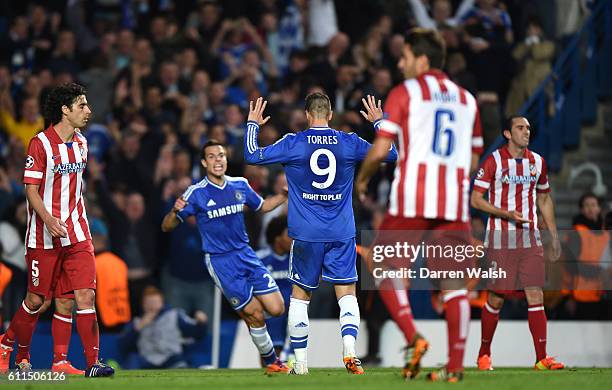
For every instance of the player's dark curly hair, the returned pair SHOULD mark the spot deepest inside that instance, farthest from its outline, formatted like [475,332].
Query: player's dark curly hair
[275,228]
[62,95]
[428,43]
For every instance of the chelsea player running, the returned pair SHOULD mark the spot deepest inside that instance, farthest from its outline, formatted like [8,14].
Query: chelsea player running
[320,166]
[217,202]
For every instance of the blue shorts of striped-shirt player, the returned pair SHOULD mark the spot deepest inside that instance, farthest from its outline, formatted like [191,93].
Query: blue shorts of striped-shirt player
[334,262]
[240,275]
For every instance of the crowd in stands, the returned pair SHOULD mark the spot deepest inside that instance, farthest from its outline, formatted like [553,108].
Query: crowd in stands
[165,76]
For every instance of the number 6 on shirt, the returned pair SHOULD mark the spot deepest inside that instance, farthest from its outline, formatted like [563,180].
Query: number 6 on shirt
[443,147]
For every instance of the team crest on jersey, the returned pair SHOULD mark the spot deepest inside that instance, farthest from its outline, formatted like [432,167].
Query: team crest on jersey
[480,173]
[533,170]
[238,195]
[35,281]
[29,162]
[234,301]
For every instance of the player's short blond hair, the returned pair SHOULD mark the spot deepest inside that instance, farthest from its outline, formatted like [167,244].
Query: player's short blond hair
[318,105]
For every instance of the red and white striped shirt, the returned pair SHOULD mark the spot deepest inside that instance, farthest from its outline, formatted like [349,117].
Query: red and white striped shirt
[438,127]
[513,185]
[58,168]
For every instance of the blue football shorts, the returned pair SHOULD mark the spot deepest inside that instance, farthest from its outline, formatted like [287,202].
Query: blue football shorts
[240,275]
[334,262]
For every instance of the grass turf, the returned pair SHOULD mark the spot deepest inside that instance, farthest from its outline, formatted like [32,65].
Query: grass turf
[338,379]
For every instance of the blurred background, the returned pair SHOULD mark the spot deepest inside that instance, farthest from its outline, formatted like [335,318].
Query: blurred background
[164,76]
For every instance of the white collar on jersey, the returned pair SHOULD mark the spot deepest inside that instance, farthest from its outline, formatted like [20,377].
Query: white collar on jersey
[319,128]
[215,185]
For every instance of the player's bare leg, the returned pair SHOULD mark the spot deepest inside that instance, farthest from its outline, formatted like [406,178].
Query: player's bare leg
[488,322]
[349,325]
[457,313]
[536,317]
[21,328]
[253,315]
[87,327]
[394,295]
[299,324]
[61,329]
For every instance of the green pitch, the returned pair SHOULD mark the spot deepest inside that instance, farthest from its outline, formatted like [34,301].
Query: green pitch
[338,379]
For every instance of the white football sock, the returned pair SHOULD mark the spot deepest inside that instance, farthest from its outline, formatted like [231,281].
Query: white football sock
[299,325]
[349,323]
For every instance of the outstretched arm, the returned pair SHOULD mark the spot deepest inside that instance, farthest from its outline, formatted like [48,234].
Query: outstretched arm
[171,220]
[254,154]
[383,148]
[272,202]
[376,154]
[374,114]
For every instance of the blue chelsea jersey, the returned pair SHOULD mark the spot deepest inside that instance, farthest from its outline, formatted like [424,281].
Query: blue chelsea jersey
[320,168]
[278,267]
[219,212]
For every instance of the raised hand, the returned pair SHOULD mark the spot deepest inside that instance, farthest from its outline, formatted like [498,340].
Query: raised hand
[373,111]
[256,111]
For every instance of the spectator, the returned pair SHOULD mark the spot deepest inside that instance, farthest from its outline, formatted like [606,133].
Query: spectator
[488,36]
[97,78]
[42,29]
[132,233]
[202,27]
[128,168]
[64,57]
[17,48]
[123,53]
[30,122]
[441,13]
[112,295]
[322,23]
[534,56]
[290,32]
[589,246]
[157,336]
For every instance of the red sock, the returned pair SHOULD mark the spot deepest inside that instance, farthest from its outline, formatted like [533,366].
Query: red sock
[398,305]
[488,323]
[458,322]
[23,324]
[61,329]
[536,317]
[87,326]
